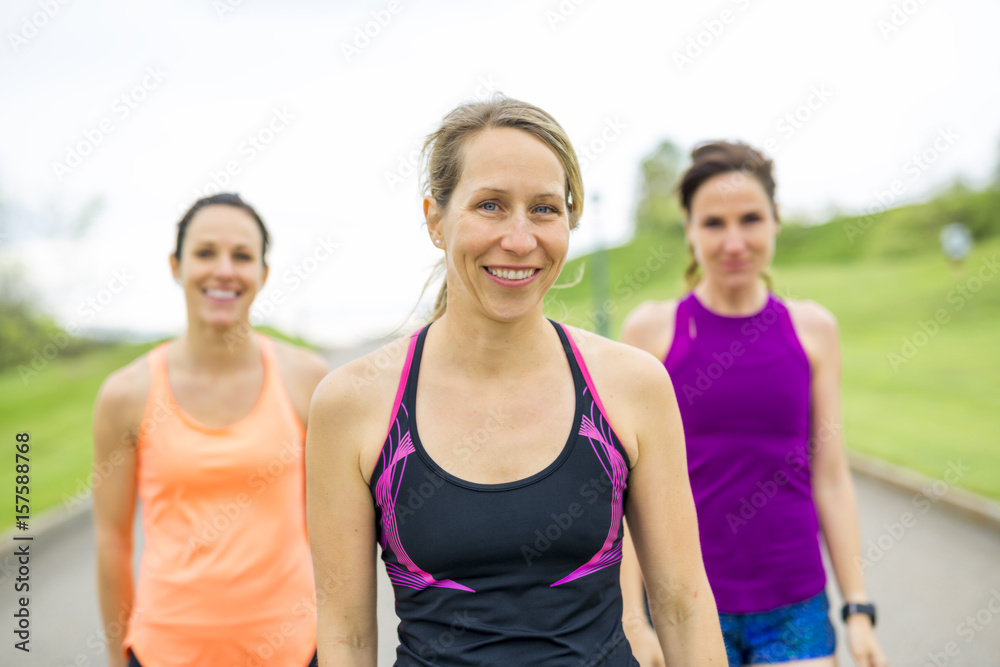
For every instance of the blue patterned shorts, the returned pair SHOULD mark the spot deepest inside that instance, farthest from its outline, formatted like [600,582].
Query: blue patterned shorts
[796,632]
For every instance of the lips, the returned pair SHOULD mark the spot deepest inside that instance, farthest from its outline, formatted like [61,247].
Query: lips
[511,273]
[221,296]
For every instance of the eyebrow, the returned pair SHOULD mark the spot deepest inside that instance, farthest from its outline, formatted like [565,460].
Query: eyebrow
[505,192]
[210,243]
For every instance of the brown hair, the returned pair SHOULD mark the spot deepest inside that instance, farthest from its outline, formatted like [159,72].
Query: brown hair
[221,199]
[721,157]
[442,157]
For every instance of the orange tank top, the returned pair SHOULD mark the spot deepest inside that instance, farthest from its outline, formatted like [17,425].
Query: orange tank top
[225,576]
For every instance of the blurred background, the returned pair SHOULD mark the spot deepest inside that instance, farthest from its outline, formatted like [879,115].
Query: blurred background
[883,118]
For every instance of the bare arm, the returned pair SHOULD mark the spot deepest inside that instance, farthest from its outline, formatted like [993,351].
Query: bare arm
[680,599]
[302,371]
[833,489]
[114,506]
[649,328]
[340,516]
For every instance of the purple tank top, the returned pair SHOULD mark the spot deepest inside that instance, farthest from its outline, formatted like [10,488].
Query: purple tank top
[742,385]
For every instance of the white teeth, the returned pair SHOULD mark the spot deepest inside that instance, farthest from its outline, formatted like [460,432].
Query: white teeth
[511,274]
[219,294]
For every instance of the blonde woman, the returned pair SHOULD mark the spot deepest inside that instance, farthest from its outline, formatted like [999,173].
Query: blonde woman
[501,517]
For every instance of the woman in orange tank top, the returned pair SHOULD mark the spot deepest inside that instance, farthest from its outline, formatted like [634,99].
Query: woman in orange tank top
[207,430]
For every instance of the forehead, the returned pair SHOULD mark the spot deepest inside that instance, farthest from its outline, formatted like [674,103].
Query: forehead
[222,223]
[732,190]
[505,156]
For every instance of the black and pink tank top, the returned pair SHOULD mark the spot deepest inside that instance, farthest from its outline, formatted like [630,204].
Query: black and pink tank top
[519,573]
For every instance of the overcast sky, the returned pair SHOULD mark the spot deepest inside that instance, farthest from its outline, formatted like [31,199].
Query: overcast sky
[116,116]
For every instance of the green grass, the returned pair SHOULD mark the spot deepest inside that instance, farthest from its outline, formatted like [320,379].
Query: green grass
[940,405]
[55,406]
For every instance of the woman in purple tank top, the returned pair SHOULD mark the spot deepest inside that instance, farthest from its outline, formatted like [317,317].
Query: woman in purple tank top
[757,380]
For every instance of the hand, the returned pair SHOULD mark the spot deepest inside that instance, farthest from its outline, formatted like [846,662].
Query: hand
[645,645]
[862,643]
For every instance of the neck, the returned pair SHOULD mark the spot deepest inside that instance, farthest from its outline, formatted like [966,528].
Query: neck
[486,348]
[209,349]
[742,300]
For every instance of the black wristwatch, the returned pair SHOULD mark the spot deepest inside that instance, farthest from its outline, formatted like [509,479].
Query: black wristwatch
[852,608]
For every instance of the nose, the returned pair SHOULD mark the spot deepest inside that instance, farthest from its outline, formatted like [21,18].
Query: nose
[734,241]
[223,266]
[519,236]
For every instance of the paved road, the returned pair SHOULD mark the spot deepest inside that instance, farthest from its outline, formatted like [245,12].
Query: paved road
[939,572]
[935,576]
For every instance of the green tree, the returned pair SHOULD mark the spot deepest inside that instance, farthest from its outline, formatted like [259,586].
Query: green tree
[658,210]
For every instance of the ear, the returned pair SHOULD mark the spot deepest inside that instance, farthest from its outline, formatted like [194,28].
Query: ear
[175,267]
[263,278]
[777,219]
[432,218]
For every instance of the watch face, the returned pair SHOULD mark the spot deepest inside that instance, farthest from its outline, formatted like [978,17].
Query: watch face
[852,608]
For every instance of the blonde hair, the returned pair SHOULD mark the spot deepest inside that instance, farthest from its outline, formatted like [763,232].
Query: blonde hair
[442,158]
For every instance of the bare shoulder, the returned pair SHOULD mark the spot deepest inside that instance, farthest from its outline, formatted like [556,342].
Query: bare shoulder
[121,399]
[627,379]
[812,318]
[651,326]
[355,400]
[816,328]
[127,387]
[299,365]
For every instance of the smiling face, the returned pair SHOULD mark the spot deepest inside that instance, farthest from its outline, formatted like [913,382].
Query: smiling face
[221,268]
[505,230]
[732,228]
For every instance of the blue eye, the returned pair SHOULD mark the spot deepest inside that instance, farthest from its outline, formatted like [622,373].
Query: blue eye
[484,205]
[551,209]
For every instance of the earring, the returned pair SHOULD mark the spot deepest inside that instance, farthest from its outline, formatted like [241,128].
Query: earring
[437,242]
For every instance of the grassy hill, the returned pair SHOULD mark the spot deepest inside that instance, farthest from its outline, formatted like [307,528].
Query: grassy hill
[55,406]
[919,395]
[918,392]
